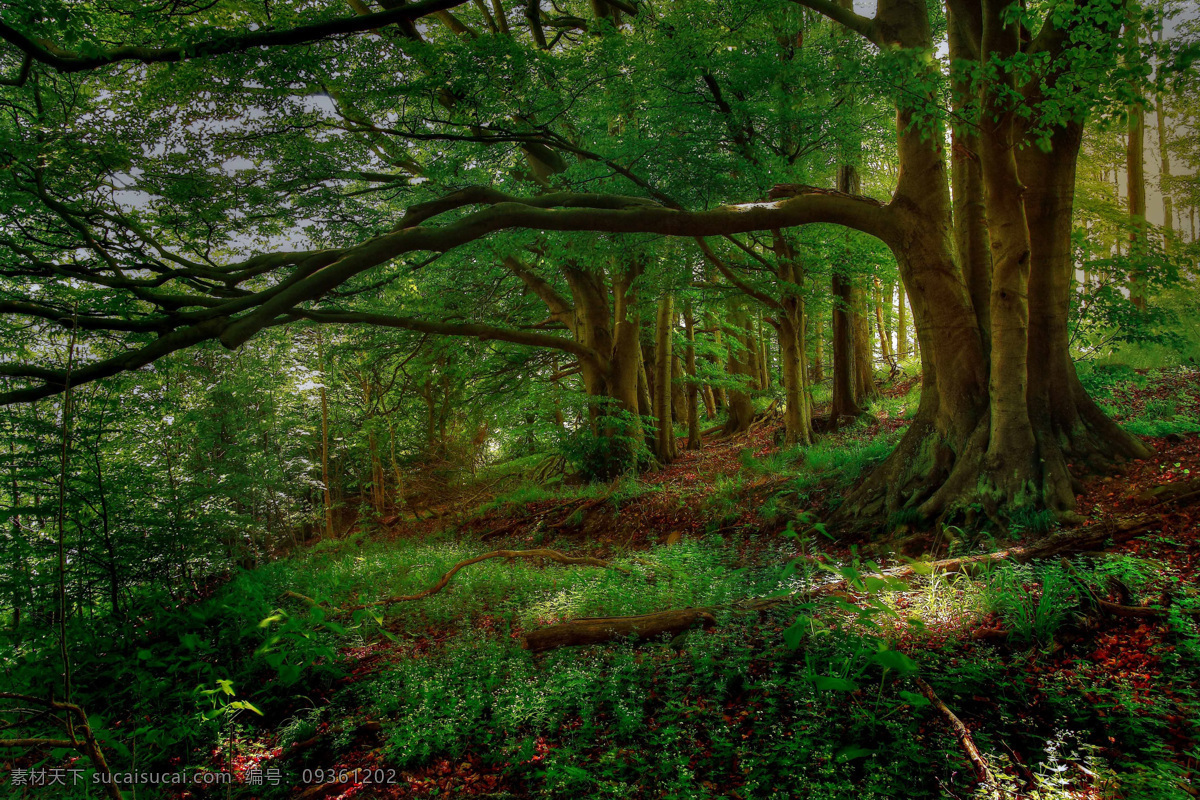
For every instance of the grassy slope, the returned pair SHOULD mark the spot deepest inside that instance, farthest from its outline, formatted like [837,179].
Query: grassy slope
[801,702]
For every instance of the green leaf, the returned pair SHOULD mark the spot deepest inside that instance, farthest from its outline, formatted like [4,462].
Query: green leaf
[794,634]
[851,752]
[895,661]
[827,683]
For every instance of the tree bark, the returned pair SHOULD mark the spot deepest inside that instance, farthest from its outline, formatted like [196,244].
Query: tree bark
[581,632]
[991,431]
[741,348]
[1164,176]
[693,414]
[797,412]
[864,369]
[664,441]
[1135,181]
[885,345]
[818,366]
[327,499]
[845,398]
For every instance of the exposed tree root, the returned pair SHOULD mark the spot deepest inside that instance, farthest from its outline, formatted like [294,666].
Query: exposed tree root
[540,554]
[941,474]
[564,511]
[597,631]
[1182,492]
[1120,609]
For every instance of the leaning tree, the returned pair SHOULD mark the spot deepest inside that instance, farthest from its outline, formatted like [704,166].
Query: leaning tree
[1003,419]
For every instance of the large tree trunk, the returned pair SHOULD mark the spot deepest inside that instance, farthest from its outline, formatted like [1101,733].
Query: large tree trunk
[1069,426]
[990,431]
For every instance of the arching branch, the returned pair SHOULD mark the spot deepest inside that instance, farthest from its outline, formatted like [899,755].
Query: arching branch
[472,330]
[67,61]
[235,320]
[845,16]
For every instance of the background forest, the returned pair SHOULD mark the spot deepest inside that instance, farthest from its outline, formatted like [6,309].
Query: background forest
[662,399]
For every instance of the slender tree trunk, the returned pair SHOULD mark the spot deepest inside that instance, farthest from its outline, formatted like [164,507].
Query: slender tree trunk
[741,349]
[885,346]
[627,366]
[693,414]
[845,398]
[1135,176]
[720,396]
[678,393]
[753,354]
[324,437]
[797,413]
[710,402]
[864,370]
[664,441]
[1164,177]
[764,356]
[971,246]
[818,367]
[901,324]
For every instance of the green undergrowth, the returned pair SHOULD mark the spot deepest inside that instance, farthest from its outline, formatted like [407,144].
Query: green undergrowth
[807,700]
[810,700]
[1146,403]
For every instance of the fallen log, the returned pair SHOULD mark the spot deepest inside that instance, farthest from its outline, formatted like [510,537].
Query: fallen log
[599,630]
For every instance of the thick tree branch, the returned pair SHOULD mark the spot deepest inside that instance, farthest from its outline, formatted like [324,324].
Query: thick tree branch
[319,272]
[565,211]
[67,61]
[864,26]
[472,330]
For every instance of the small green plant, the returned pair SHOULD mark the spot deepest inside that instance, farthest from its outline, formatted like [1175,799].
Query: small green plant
[1160,409]
[1027,520]
[613,445]
[1033,601]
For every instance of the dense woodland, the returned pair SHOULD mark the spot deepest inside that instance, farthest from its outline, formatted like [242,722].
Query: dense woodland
[620,398]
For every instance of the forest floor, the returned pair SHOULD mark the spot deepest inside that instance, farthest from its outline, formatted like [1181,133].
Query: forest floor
[1074,677]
